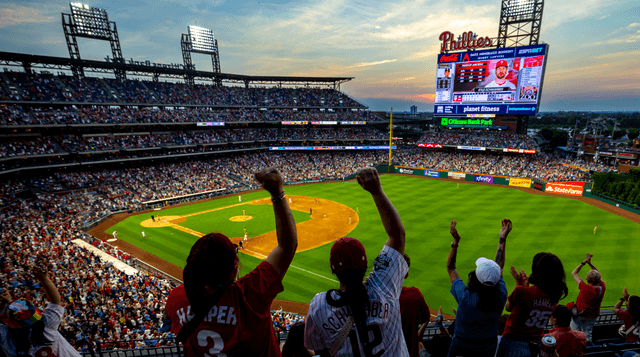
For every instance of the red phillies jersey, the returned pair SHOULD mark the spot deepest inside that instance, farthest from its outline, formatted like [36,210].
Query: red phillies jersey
[588,294]
[414,311]
[625,316]
[532,308]
[239,324]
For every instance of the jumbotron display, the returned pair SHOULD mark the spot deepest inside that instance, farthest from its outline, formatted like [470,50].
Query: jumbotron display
[495,81]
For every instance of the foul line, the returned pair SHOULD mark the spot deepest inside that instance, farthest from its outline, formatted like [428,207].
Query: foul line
[293,266]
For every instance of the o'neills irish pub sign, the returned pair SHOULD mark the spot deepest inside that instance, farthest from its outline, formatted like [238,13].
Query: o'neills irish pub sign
[467,41]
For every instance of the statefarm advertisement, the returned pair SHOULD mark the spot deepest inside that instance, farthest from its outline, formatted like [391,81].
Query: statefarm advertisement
[573,188]
[493,81]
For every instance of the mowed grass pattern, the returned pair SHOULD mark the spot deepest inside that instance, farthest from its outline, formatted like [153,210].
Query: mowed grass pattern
[562,226]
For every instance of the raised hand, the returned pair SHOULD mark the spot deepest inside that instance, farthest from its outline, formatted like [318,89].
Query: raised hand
[454,231]
[588,257]
[506,228]
[5,297]
[521,277]
[40,272]
[369,180]
[625,294]
[271,180]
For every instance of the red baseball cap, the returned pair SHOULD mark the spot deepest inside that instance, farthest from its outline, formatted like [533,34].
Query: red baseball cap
[347,252]
[502,63]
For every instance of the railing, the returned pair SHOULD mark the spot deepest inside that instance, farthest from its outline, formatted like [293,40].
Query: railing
[142,266]
[115,349]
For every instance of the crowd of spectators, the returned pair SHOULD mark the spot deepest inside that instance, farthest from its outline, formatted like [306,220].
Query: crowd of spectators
[45,87]
[121,141]
[103,304]
[547,167]
[500,139]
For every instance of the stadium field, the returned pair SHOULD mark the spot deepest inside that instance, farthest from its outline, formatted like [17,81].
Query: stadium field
[563,226]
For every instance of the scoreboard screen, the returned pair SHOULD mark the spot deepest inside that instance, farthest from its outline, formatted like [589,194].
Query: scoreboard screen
[494,81]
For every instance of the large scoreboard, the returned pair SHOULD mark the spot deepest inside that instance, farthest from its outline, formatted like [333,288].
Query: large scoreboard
[494,81]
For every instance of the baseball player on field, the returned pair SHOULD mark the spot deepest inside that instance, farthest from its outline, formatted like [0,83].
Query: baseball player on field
[362,319]
[216,314]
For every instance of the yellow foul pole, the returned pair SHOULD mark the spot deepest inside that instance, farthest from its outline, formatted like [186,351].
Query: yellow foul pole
[390,138]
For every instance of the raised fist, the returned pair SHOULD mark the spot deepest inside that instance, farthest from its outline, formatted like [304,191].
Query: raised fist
[369,180]
[506,228]
[271,180]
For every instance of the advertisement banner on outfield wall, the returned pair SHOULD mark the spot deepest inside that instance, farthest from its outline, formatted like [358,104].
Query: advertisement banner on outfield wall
[519,182]
[405,171]
[485,179]
[573,188]
[457,175]
[432,173]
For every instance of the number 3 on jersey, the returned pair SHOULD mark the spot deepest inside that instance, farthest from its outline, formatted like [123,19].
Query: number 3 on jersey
[538,318]
[205,337]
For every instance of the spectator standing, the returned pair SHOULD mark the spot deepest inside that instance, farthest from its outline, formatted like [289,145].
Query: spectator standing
[233,317]
[362,318]
[630,316]
[480,302]
[589,298]
[531,306]
[25,330]
[414,312]
[568,341]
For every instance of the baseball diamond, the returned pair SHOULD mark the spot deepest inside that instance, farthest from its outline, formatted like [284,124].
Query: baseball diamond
[475,205]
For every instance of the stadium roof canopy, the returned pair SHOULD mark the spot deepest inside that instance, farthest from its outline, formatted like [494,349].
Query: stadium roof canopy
[175,71]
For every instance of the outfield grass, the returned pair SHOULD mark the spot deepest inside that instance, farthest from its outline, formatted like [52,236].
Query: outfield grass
[562,226]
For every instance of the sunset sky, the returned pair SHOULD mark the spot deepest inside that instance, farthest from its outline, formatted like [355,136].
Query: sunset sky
[390,47]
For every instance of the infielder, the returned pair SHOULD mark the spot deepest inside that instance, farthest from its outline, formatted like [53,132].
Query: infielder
[595,230]
[115,233]
[245,233]
[362,319]
[143,236]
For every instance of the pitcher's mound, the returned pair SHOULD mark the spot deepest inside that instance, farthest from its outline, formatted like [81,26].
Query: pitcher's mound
[240,218]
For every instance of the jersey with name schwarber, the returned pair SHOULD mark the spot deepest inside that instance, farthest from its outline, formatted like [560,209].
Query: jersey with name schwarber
[384,323]
[239,324]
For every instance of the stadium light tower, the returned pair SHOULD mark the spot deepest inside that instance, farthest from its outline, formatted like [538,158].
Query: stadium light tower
[199,40]
[520,22]
[91,22]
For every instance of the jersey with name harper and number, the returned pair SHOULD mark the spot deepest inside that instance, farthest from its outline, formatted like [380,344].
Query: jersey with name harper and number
[383,323]
[239,324]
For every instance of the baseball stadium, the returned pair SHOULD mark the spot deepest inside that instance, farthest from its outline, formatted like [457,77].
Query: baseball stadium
[114,169]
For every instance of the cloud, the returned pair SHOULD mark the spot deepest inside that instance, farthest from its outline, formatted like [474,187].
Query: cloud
[366,64]
[16,15]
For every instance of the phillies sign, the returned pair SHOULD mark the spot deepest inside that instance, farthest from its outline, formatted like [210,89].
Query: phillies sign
[468,41]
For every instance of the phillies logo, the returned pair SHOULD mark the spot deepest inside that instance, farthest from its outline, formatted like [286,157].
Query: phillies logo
[449,58]
[468,40]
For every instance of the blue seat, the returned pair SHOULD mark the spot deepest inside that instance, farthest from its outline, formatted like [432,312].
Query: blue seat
[623,346]
[608,341]
[635,349]
[599,348]
[601,354]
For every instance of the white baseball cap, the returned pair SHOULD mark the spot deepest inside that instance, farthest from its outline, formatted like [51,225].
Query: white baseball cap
[487,271]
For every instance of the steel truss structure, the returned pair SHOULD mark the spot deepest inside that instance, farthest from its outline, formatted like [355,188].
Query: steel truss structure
[90,22]
[30,62]
[520,23]
[199,40]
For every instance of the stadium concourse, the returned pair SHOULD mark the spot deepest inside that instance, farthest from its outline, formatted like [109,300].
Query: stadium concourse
[83,150]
